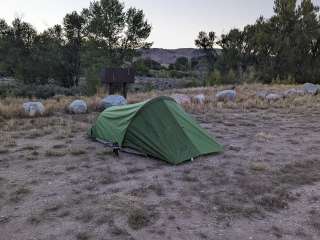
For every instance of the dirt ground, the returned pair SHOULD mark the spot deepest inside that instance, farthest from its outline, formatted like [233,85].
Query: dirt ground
[55,183]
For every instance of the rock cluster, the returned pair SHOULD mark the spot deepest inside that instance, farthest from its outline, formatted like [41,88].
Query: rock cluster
[308,88]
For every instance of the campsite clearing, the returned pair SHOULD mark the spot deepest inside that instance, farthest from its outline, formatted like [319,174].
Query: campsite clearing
[55,183]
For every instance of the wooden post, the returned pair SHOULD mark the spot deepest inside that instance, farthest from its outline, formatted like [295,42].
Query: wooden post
[124,90]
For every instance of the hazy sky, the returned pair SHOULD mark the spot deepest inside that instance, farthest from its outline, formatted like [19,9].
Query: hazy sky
[175,23]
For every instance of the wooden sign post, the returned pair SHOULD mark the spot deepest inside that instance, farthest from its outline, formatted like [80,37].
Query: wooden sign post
[117,78]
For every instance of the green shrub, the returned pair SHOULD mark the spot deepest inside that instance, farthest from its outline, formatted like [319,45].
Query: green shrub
[230,77]
[39,91]
[179,74]
[287,80]
[214,78]
[93,79]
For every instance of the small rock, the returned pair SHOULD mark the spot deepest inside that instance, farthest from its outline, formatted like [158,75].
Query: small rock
[112,100]
[33,108]
[234,148]
[273,97]
[199,99]
[182,99]
[78,107]
[227,95]
[311,89]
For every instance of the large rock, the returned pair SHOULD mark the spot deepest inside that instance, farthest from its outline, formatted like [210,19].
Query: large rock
[311,89]
[182,99]
[274,97]
[262,94]
[199,99]
[226,95]
[112,100]
[78,107]
[33,108]
[293,92]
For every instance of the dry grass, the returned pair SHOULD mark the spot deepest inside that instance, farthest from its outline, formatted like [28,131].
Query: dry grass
[77,151]
[7,141]
[12,107]
[55,153]
[314,219]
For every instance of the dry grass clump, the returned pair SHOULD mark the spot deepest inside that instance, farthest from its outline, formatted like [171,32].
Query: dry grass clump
[55,153]
[259,167]
[11,107]
[77,151]
[18,195]
[314,219]
[138,219]
[7,141]
[139,215]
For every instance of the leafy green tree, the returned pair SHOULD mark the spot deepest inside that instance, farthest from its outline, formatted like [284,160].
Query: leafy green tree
[21,36]
[113,34]
[182,64]
[48,58]
[207,42]
[5,68]
[74,25]
[283,47]
[232,45]
[214,78]
[116,32]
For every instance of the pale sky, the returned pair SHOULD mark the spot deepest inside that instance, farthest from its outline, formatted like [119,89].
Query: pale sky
[176,23]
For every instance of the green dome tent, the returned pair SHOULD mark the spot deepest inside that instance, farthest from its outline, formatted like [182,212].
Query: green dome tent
[159,128]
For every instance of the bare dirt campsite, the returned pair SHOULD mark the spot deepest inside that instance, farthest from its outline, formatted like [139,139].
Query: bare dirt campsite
[56,183]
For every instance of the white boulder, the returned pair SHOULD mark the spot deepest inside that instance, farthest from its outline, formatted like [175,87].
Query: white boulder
[181,99]
[311,89]
[33,108]
[293,92]
[274,97]
[78,107]
[262,94]
[199,99]
[112,100]
[226,95]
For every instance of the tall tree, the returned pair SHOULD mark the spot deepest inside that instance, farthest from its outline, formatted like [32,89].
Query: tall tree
[5,44]
[22,37]
[207,42]
[115,31]
[74,28]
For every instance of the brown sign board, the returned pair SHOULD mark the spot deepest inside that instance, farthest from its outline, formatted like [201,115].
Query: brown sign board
[117,75]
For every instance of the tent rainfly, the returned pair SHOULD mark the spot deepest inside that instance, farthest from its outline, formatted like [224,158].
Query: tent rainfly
[159,128]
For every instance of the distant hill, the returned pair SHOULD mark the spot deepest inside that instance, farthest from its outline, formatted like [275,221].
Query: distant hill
[168,56]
